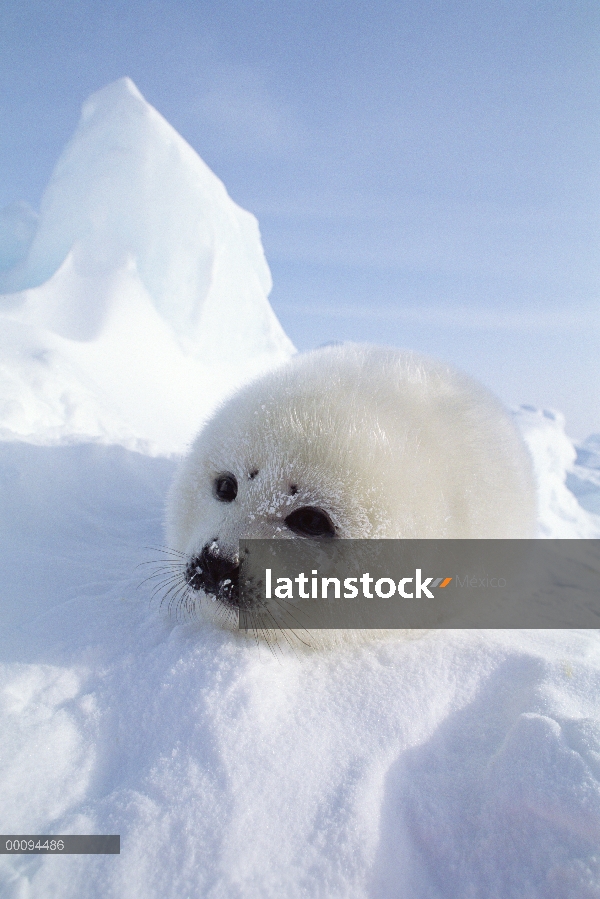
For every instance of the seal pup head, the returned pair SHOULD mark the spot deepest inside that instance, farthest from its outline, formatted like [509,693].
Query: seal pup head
[346,441]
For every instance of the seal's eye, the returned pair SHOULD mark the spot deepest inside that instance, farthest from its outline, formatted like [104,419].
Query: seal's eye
[225,488]
[310,522]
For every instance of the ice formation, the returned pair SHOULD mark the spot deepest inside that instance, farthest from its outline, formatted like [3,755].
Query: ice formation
[138,298]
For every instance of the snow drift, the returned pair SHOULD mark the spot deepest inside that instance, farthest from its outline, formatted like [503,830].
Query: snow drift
[461,764]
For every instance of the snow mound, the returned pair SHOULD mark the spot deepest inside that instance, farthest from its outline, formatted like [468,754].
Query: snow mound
[568,481]
[141,284]
[465,763]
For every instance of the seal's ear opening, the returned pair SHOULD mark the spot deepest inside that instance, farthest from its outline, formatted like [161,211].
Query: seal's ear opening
[310,522]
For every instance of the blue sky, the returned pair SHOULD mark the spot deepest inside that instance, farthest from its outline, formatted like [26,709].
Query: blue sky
[424,173]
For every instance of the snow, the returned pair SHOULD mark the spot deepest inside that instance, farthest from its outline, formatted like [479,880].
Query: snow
[461,764]
[564,475]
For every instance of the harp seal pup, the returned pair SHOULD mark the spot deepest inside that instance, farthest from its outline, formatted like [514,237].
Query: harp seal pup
[347,441]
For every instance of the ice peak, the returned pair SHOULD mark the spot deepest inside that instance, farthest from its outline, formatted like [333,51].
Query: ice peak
[116,93]
[120,109]
[137,260]
[128,184]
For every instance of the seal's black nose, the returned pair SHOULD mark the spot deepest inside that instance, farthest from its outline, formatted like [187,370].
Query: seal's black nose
[217,567]
[212,572]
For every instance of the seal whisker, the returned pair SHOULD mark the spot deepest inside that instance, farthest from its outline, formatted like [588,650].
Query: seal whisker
[176,602]
[285,635]
[167,549]
[166,578]
[172,594]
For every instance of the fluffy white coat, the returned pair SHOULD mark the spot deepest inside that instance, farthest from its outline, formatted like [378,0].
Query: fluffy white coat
[388,444]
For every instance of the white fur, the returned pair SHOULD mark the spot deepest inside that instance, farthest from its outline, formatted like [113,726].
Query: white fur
[388,443]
